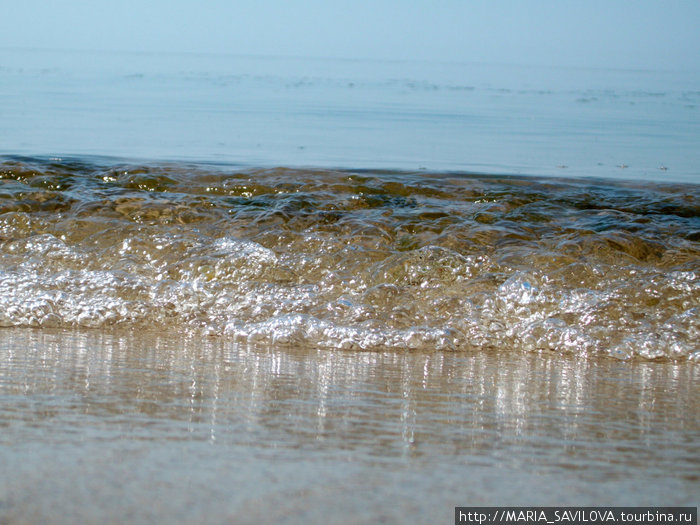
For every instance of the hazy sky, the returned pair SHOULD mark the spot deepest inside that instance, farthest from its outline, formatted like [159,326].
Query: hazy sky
[607,33]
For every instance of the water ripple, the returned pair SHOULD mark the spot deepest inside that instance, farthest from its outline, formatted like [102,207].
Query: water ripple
[366,260]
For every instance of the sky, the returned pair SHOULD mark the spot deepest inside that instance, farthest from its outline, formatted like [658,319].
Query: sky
[639,34]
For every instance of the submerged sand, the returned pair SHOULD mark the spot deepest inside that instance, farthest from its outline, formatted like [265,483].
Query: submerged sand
[117,427]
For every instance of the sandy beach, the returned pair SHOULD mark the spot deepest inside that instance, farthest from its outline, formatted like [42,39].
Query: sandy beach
[151,428]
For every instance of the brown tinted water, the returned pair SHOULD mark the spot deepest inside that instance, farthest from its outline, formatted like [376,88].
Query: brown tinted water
[152,428]
[339,259]
[196,343]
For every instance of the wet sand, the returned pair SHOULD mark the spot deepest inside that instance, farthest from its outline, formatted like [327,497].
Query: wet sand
[145,427]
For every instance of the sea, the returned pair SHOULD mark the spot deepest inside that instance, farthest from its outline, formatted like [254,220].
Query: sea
[242,289]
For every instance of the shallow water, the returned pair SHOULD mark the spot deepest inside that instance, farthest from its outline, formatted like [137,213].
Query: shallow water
[144,427]
[407,325]
[364,259]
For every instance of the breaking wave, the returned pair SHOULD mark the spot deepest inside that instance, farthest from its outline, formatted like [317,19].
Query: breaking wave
[364,259]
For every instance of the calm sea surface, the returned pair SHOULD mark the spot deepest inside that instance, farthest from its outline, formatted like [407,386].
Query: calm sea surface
[352,114]
[239,289]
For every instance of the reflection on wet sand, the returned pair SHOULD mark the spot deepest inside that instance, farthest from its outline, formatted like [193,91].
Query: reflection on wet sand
[539,426]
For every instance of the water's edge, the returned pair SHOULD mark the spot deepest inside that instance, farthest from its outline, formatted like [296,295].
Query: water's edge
[353,259]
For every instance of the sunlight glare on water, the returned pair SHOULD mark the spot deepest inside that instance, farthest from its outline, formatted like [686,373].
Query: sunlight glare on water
[209,429]
[341,259]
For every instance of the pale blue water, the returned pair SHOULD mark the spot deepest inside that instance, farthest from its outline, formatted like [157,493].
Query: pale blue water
[266,111]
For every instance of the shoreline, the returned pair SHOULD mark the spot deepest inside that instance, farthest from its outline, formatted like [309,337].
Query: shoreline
[616,175]
[154,428]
